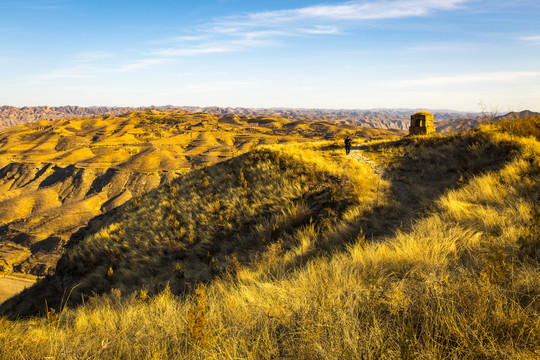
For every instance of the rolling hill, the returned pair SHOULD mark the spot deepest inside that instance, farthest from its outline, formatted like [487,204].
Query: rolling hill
[419,247]
[57,175]
[375,118]
[12,116]
[446,121]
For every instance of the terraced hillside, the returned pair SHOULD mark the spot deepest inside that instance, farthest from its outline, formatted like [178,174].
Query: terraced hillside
[57,175]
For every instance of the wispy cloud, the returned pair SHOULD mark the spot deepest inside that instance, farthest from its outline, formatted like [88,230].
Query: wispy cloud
[92,71]
[359,10]
[137,65]
[458,79]
[187,38]
[252,30]
[531,39]
[234,33]
[321,29]
[447,46]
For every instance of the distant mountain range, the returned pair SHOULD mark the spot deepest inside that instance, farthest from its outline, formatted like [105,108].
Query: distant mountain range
[446,121]
[11,115]
[376,118]
[516,115]
[462,124]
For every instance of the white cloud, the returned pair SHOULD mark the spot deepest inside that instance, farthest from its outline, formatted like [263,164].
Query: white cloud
[488,77]
[533,39]
[235,33]
[359,10]
[87,71]
[253,30]
[180,39]
[187,38]
[321,29]
[447,47]
[263,34]
[234,40]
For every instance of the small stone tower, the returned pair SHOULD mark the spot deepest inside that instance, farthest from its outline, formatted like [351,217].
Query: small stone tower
[421,123]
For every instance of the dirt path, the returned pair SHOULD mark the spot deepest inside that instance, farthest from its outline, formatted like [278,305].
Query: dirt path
[356,153]
[10,286]
[399,188]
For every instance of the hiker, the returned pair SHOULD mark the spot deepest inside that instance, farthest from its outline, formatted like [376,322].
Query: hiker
[347,145]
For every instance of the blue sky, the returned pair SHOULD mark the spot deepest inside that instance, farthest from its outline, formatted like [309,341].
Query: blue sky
[467,55]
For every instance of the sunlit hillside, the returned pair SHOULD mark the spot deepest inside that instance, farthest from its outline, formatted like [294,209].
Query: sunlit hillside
[417,248]
[57,175]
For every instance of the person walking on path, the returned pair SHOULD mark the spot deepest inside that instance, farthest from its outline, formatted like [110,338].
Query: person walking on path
[347,145]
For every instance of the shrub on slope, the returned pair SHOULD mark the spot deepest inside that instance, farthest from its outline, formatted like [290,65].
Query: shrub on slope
[522,126]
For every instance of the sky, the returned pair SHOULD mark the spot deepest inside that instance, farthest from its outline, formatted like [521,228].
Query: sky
[468,55]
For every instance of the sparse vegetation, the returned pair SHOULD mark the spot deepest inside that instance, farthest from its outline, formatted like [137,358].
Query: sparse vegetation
[287,252]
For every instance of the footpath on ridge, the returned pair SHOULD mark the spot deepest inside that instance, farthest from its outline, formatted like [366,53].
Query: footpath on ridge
[357,155]
[399,187]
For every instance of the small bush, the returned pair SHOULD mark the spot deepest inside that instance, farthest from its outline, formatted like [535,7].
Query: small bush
[526,126]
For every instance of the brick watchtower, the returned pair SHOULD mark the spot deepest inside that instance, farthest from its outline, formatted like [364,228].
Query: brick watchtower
[421,123]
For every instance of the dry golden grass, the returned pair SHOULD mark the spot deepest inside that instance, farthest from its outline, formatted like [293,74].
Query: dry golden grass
[210,218]
[455,280]
[55,176]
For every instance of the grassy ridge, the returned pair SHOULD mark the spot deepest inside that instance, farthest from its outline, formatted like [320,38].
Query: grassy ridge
[57,175]
[205,223]
[436,259]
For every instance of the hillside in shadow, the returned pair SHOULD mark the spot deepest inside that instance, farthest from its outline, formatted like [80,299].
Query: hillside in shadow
[253,209]
[57,175]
